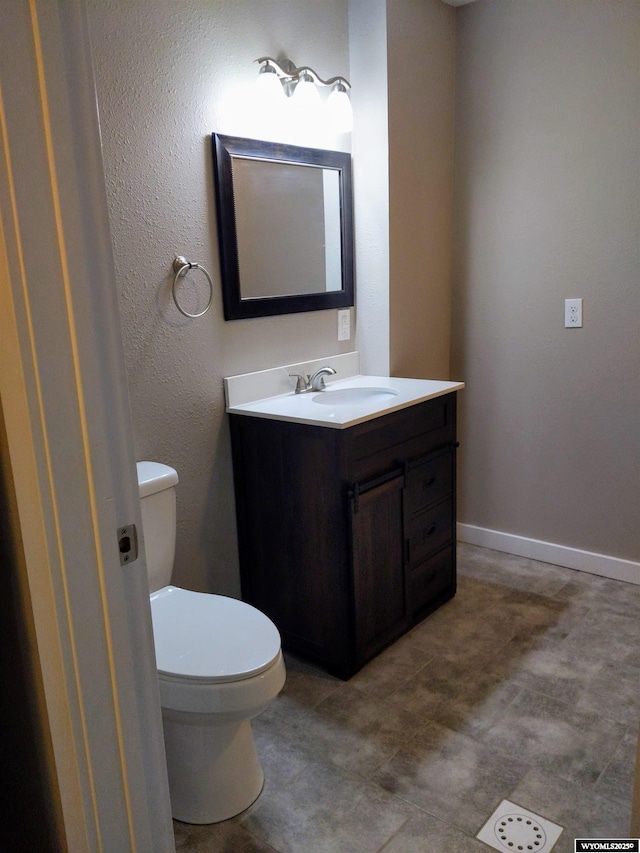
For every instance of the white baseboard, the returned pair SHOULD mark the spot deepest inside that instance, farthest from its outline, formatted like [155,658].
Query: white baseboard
[548,552]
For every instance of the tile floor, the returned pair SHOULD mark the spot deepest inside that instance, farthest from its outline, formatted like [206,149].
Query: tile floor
[526,687]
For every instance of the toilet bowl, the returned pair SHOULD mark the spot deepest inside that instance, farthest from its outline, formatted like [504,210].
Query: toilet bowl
[219,665]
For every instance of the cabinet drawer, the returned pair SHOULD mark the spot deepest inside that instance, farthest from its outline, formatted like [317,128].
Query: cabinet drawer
[381,444]
[429,580]
[429,531]
[428,480]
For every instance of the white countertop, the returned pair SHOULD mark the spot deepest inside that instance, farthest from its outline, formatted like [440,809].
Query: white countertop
[318,410]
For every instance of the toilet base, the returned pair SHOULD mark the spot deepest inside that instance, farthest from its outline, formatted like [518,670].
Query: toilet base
[214,771]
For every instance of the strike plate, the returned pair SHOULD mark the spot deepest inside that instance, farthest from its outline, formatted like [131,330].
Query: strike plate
[128,543]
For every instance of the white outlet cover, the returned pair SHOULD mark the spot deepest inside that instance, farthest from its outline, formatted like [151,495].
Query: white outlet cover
[573,313]
[511,827]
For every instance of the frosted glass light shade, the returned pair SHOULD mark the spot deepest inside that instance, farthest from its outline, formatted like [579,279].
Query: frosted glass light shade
[306,95]
[270,87]
[339,110]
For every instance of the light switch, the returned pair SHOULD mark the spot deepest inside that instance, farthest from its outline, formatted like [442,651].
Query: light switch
[344,324]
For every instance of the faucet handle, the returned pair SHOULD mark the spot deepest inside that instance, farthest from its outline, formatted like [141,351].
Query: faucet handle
[302,382]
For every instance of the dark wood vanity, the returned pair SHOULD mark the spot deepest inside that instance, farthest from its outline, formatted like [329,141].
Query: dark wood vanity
[347,536]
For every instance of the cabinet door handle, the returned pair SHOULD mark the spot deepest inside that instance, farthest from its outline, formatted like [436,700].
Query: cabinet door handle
[389,481]
[354,494]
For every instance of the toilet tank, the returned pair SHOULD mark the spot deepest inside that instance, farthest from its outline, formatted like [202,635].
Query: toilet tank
[156,484]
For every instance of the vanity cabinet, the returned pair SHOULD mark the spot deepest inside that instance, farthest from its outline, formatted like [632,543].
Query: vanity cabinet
[347,536]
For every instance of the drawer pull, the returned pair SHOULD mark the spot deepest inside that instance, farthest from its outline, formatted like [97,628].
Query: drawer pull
[430,531]
[428,579]
[427,483]
[431,579]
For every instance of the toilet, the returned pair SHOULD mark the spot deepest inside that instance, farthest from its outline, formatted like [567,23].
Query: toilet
[219,665]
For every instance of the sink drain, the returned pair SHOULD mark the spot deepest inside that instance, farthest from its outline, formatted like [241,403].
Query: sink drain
[518,832]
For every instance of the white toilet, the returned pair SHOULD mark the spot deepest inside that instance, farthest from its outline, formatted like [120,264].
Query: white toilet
[219,664]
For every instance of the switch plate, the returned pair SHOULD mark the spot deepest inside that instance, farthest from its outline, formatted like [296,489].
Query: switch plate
[573,313]
[344,324]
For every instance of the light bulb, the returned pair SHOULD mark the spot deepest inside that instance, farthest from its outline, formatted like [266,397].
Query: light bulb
[339,109]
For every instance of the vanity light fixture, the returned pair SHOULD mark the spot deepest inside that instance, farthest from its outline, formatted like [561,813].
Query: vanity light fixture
[278,77]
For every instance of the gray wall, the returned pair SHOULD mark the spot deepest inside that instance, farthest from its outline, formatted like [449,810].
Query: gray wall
[547,207]
[545,204]
[421,56]
[168,75]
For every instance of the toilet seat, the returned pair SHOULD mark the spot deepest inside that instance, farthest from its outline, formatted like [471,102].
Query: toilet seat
[210,639]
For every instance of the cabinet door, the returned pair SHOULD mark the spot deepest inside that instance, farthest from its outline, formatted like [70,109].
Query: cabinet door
[378,564]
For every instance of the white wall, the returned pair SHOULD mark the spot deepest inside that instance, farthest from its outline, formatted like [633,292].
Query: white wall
[547,207]
[168,75]
[369,79]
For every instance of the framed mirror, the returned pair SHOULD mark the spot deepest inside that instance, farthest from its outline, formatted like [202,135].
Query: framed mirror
[285,227]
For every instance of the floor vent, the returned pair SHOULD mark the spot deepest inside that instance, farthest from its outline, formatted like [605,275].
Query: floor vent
[513,828]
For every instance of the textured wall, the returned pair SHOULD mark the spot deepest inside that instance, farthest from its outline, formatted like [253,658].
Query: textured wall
[168,75]
[547,207]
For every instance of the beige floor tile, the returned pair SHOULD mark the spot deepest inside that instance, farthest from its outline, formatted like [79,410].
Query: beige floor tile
[462,637]
[462,698]
[397,665]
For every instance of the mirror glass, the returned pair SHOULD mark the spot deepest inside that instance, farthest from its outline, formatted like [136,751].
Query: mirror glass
[284,226]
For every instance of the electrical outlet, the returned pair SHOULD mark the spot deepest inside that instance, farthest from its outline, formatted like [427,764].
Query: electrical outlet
[573,313]
[344,324]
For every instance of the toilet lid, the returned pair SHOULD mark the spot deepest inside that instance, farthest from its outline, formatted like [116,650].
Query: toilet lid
[210,637]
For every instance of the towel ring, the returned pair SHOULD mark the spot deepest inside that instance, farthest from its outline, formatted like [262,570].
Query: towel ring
[181,267]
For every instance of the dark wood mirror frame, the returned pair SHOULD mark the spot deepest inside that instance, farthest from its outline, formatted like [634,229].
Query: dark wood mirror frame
[225,148]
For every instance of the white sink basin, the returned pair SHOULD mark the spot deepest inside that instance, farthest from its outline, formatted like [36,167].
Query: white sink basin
[350,397]
[353,396]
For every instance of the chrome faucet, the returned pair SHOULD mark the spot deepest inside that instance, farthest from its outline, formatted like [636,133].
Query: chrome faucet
[313,382]
[316,382]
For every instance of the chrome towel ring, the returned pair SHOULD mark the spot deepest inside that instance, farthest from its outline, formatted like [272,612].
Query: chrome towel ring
[181,267]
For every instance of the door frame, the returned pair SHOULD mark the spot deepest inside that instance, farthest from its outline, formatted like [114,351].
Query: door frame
[70,443]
